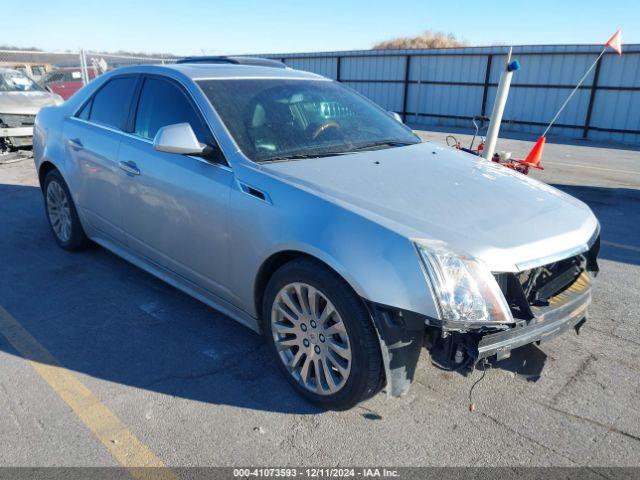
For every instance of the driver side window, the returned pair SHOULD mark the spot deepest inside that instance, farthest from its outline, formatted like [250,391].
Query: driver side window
[162,103]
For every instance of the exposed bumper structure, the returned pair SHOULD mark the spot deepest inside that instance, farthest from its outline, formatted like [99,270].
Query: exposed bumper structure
[566,310]
[17,130]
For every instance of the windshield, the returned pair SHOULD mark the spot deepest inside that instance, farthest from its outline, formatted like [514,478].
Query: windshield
[14,81]
[277,119]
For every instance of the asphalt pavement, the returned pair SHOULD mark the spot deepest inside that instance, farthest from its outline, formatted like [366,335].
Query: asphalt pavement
[102,364]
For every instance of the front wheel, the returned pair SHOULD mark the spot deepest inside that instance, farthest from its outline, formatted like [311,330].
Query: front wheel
[321,335]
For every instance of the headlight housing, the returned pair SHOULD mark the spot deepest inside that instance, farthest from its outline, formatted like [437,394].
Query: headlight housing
[465,290]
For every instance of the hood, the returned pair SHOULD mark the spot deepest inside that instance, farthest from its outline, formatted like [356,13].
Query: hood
[26,103]
[426,191]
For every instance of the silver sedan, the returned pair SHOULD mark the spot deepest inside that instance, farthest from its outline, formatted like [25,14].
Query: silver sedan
[304,211]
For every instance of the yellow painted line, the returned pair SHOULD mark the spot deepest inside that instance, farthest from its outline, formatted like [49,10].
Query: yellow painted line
[130,452]
[622,246]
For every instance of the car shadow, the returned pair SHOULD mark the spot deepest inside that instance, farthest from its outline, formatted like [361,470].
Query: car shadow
[526,362]
[102,317]
[618,211]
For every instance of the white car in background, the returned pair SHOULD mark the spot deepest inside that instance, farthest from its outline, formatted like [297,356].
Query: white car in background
[20,100]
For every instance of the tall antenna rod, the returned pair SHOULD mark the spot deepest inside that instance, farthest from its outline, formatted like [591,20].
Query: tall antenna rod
[584,77]
[535,155]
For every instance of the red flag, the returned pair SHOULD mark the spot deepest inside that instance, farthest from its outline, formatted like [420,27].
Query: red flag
[615,42]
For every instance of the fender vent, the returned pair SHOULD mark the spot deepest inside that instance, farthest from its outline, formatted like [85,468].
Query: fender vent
[254,192]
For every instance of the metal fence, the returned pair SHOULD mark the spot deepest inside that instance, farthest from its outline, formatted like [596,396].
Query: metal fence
[447,87]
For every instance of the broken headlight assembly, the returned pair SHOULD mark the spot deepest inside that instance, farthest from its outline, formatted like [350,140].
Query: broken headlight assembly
[465,291]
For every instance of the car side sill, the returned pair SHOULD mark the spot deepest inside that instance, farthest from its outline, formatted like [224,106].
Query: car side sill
[182,284]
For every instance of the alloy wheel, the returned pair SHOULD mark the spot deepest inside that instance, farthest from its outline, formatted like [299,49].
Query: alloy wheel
[311,338]
[59,211]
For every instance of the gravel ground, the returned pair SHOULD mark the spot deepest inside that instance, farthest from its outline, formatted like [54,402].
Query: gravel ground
[198,389]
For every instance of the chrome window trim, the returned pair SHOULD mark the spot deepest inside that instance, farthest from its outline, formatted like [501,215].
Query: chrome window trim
[555,257]
[146,140]
[245,77]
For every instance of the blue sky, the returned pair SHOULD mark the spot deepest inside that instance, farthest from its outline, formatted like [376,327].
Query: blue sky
[227,26]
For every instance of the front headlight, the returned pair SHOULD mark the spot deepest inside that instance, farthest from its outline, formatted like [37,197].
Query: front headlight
[464,288]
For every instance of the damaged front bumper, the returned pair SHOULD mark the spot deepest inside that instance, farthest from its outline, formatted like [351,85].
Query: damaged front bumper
[16,132]
[540,315]
[17,137]
[402,335]
[565,311]
[17,129]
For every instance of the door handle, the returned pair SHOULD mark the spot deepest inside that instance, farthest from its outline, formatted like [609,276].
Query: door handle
[75,143]
[130,167]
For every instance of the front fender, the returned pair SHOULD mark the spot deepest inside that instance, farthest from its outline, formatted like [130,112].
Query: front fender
[380,265]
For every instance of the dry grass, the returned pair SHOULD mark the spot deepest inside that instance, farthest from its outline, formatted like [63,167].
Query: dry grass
[427,39]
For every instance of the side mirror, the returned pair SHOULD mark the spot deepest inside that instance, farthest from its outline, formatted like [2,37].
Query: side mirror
[396,116]
[178,138]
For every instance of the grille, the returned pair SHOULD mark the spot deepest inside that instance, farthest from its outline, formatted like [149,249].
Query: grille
[538,287]
[542,283]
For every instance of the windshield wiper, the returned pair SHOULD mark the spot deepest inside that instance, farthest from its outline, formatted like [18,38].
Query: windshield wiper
[301,156]
[335,153]
[382,143]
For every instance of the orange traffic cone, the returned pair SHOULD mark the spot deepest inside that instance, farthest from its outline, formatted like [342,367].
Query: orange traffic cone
[535,155]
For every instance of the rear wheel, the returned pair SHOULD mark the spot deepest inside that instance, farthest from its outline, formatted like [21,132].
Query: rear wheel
[62,214]
[321,335]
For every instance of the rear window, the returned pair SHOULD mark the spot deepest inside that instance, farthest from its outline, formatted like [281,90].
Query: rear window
[110,105]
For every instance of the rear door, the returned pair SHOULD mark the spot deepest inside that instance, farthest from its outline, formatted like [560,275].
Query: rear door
[92,139]
[175,206]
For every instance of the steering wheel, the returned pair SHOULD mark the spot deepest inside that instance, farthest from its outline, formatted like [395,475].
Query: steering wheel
[325,127]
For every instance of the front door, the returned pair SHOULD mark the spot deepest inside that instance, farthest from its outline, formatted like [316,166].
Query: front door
[175,206]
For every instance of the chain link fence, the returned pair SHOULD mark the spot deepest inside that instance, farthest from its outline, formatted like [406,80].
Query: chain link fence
[60,73]
[79,66]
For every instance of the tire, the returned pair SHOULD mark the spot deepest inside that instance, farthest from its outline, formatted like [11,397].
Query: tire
[62,214]
[345,379]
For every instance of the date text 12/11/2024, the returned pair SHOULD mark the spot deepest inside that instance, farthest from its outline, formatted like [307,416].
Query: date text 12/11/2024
[315,472]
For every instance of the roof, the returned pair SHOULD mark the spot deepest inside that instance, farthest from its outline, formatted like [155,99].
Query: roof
[198,71]
[261,62]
